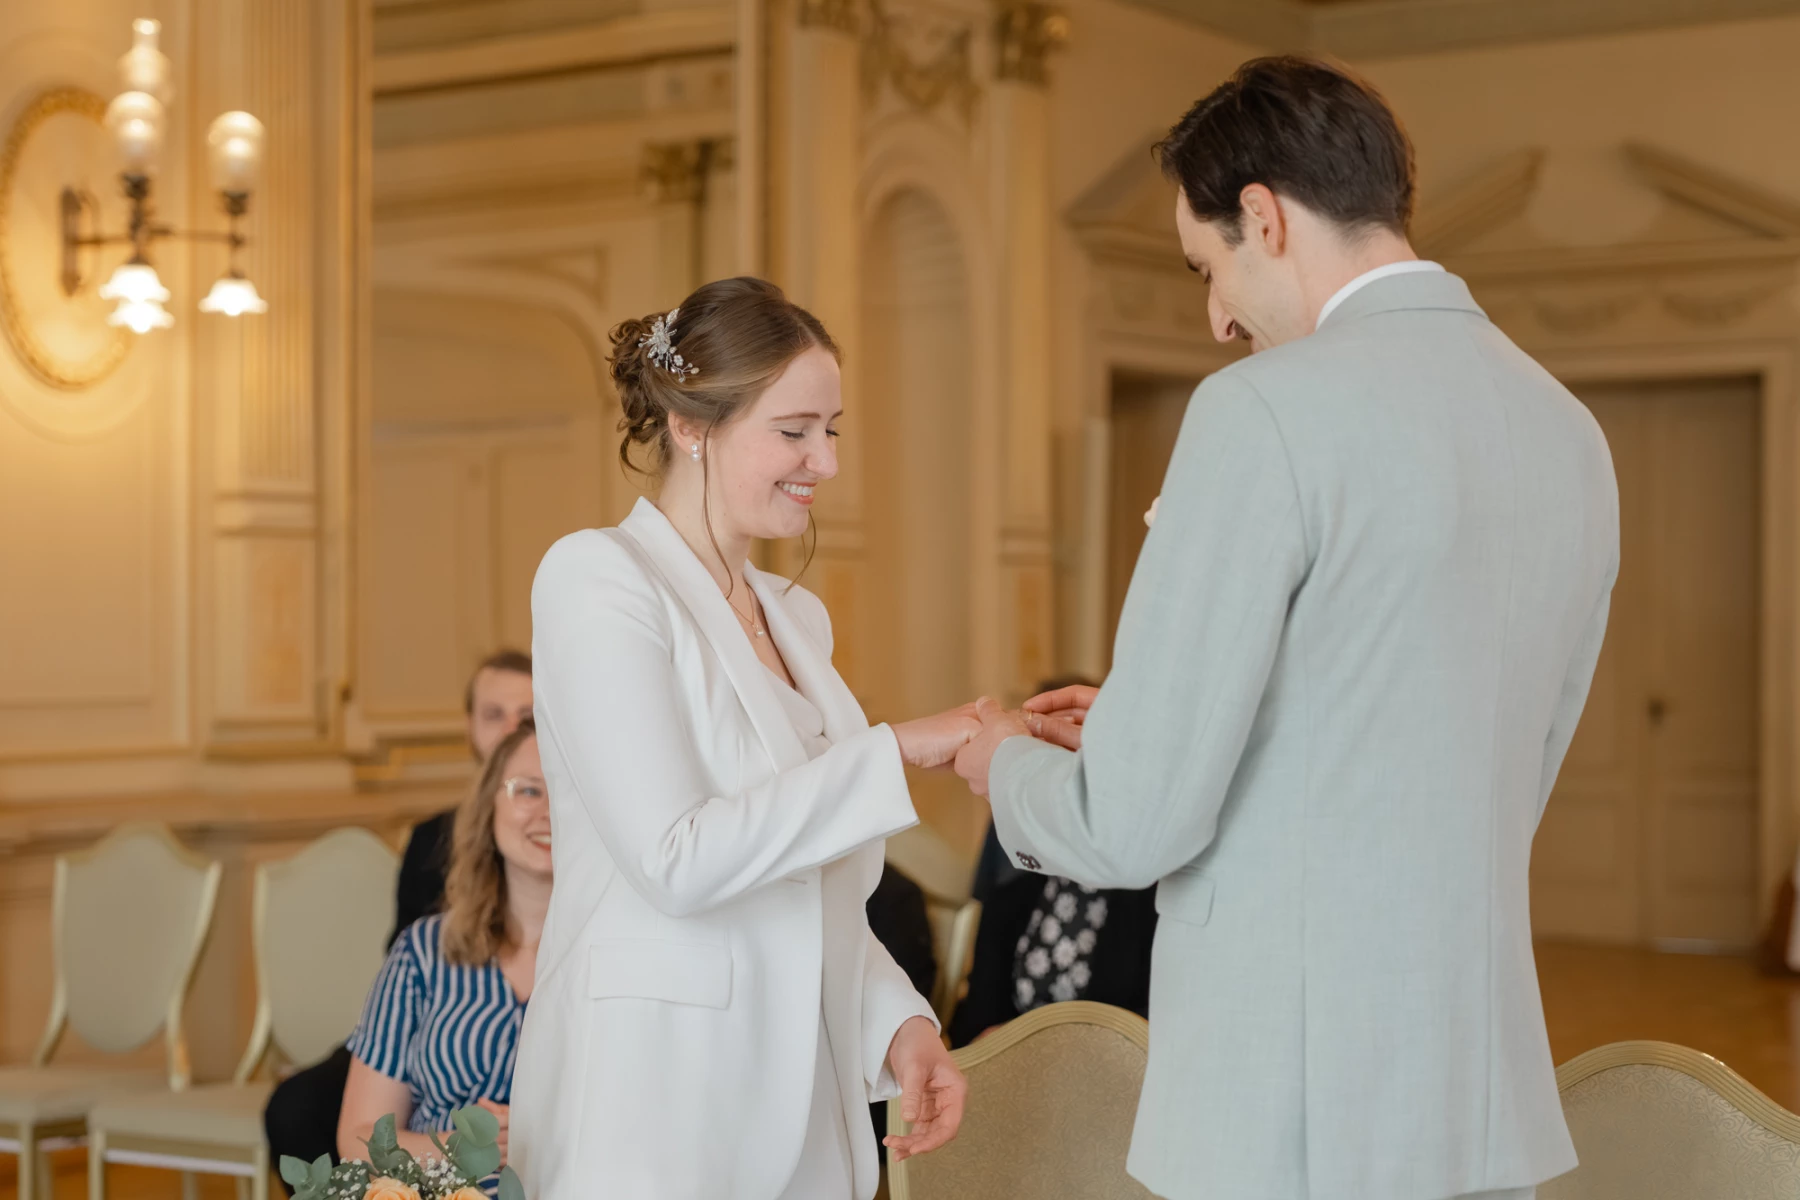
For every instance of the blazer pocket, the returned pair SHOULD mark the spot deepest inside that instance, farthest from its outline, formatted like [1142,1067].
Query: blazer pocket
[647,969]
[1185,898]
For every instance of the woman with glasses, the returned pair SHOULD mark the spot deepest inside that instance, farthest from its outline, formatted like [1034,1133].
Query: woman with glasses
[440,1030]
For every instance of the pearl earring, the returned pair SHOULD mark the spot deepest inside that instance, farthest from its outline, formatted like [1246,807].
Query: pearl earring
[696,452]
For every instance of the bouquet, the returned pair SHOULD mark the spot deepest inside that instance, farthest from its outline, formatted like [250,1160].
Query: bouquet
[468,1156]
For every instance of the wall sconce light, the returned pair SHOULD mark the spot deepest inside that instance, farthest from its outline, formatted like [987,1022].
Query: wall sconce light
[136,119]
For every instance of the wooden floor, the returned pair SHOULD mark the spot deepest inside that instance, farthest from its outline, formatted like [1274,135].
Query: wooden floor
[1592,996]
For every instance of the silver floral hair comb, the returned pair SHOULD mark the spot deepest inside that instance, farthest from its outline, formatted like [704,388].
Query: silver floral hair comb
[661,342]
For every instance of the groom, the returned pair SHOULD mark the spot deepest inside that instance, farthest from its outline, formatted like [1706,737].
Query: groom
[1354,651]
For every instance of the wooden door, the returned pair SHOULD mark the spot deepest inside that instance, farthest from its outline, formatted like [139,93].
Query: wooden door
[1146,417]
[1650,836]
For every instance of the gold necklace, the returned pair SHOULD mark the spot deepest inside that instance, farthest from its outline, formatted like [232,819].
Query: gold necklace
[750,620]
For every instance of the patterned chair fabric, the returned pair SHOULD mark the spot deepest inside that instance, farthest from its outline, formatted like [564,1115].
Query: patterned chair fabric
[1052,1099]
[1654,1121]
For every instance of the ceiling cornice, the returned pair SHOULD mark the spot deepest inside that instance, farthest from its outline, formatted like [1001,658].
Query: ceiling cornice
[1375,29]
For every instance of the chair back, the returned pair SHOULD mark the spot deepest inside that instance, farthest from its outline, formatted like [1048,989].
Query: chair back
[130,916]
[953,929]
[1052,1099]
[321,927]
[1654,1121]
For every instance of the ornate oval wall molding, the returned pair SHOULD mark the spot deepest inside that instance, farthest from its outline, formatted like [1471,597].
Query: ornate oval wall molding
[39,358]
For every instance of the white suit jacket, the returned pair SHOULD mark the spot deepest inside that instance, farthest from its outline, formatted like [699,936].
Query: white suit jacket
[668,1048]
[1351,659]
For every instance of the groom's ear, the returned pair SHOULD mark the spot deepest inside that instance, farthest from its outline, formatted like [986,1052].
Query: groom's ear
[1264,220]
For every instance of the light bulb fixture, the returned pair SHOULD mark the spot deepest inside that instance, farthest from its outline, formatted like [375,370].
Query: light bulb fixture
[233,295]
[141,294]
[137,120]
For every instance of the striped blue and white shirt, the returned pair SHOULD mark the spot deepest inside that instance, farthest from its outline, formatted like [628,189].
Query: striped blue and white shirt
[449,1032]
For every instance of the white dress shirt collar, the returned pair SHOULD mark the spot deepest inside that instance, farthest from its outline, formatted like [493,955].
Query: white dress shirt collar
[1368,277]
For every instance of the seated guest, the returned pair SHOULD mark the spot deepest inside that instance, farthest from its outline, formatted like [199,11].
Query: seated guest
[1045,939]
[441,1027]
[302,1115]
[497,698]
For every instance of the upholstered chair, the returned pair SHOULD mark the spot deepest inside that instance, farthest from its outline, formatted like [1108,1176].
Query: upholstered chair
[1052,1099]
[1653,1121]
[320,925]
[129,917]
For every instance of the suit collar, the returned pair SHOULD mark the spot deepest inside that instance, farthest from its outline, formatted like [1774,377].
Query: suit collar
[1397,293]
[681,569]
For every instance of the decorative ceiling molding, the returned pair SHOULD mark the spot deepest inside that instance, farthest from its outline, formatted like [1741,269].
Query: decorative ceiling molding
[1766,224]
[634,39]
[1736,200]
[1493,197]
[1373,29]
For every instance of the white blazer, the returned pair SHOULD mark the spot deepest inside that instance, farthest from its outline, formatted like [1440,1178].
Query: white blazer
[668,1050]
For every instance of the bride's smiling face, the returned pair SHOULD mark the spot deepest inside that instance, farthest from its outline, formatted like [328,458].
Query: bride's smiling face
[763,467]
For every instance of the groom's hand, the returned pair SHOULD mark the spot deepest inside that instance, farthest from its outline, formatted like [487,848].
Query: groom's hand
[1057,717]
[997,725]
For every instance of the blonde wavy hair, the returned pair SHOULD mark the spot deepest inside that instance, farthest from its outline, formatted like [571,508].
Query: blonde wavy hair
[475,885]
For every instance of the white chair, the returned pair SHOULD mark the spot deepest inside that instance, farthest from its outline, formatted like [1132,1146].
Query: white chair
[1655,1121]
[1052,1099]
[129,917]
[320,925]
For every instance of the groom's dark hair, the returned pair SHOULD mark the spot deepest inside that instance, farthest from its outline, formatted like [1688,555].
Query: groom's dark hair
[1305,129]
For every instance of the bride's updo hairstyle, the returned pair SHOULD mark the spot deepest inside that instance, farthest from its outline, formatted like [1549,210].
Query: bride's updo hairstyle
[734,338]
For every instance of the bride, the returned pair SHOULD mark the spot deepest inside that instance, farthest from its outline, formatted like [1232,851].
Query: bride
[712,1016]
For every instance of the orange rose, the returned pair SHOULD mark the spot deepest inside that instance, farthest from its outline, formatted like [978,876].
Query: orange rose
[383,1188]
[468,1193]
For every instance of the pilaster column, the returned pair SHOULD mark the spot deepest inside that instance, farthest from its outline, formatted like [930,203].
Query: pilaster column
[274,391]
[815,239]
[1015,639]
[676,178]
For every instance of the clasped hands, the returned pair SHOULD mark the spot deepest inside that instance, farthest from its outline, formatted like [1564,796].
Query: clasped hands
[968,736]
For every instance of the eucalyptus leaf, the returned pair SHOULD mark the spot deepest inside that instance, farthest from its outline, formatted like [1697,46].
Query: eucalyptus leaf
[296,1172]
[477,1124]
[511,1187]
[476,1162]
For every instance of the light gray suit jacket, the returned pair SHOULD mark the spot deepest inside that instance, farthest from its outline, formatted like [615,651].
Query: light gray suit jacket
[1354,651]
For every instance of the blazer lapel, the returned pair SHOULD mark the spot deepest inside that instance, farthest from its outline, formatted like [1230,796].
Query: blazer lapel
[672,559]
[807,662]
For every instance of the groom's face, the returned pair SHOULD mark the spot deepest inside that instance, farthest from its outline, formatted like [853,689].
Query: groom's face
[1247,298]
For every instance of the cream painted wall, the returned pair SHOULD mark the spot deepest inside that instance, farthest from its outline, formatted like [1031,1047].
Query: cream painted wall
[1723,95]
[93,591]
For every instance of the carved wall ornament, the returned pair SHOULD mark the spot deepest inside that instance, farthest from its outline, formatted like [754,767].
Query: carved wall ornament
[944,74]
[829,14]
[1719,308]
[109,346]
[1024,35]
[1584,316]
[675,172]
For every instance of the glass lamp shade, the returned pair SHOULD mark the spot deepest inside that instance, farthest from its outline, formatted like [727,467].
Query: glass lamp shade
[233,296]
[140,316]
[144,67]
[136,122]
[234,145]
[135,282]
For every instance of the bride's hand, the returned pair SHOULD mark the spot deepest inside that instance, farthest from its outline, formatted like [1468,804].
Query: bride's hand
[932,1090]
[934,741]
